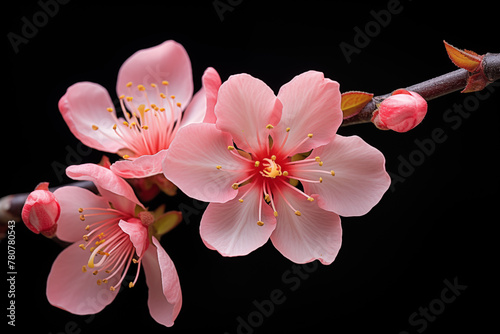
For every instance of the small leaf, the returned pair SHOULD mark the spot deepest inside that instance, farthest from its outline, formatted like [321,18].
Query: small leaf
[166,222]
[353,102]
[465,59]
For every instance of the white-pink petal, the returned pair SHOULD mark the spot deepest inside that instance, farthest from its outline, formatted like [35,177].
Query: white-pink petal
[71,199]
[231,228]
[192,161]
[141,167]
[314,235]
[245,106]
[360,178]
[168,61]
[75,291]
[112,187]
[84,108]
[211,82]
[138,234]
[311,105]
[165,296]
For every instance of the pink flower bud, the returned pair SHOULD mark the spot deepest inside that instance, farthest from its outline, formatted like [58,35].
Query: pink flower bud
[41,211]
[401,112]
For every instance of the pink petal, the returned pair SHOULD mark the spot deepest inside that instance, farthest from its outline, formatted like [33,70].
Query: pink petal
[75,291]
[84,107]
[311,105]
[201,108]
[168,61]
[360,178]
[211,83]
[165,296]
[315,234]
[231,228]
[70,227]
[195,111]
[192,159]
[113,188]
[138,234]
[244,108]
[143,166]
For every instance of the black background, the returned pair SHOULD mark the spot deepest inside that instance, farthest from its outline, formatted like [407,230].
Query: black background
[437,225]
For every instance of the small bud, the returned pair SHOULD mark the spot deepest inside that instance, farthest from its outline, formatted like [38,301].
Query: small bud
[401,112]
[41,211]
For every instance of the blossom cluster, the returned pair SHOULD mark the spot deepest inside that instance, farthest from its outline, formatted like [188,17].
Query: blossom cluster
[270,166]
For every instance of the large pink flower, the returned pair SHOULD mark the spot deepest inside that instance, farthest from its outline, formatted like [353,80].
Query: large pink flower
[245,165]
[110,232]
[155,89]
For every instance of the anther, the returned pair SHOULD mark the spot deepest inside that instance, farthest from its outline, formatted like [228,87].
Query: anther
[99,282]
[235,186]
[230,147]
[141,88]
[164,83]
[298,213]
[241,200]
[129,84]
[131,285]
[80,210]
[84,269]
[109,109]
[285,173]
[320,179]
[273,158]
[287,129]
[332,172]
[172,97]
[218,166]
[257,163]
[310,199]
[275,213]
[260,223]
[82,218]
[269,127]
[126,156]
[82,246]
[178,104]
[95,127]
[310,135]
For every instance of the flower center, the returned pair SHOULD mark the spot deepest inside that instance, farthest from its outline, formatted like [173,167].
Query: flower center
[111,250]
[149,127]
[271,168]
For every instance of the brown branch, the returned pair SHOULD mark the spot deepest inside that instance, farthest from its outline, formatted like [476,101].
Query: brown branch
[434,88]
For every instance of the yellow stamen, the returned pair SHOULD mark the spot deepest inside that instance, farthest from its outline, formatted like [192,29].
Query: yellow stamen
[82,218]
[218,166]
[126,156]
[129,84]
[131,285]
[141,88]
[95,127]
[164,83]
[235,186]
[257,163]
[260,223]
[109,109]
[230,148]
[269,127]
[298,213]
[84,269]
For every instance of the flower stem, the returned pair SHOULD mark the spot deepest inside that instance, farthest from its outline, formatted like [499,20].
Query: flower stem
[433,88]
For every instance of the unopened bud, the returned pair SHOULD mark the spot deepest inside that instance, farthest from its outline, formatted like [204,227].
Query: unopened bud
[41,211]
[401,112]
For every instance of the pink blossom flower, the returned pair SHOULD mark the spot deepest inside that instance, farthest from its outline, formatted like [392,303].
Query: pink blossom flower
[117,234]
[155,89]
[401,112]
[41,211]
[245,164]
